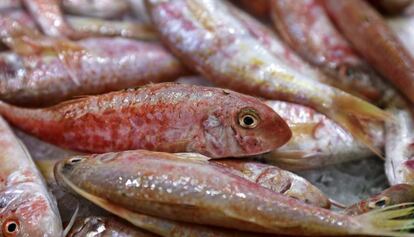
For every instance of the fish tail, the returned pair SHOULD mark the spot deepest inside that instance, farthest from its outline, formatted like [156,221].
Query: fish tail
[350,110]
[396,220]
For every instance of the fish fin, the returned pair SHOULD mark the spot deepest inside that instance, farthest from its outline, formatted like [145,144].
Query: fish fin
[46,168]
[350,111]
[292,155]
[396,220]
[71,222]
[337,204]
[192,156]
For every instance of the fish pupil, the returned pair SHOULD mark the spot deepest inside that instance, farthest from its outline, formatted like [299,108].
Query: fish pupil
[380,203]
[12,227]
[248,120]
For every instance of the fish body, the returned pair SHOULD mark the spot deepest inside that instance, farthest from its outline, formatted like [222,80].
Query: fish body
[164,117]
[100,9]
[318,141]
[399,146]
[49,17]
[403,28]
[105,227]
[48,71]
[368,32]
[99,27]
[194,190]
[306,27]
[400,193]
[215,43]
[26,207]
[278,180]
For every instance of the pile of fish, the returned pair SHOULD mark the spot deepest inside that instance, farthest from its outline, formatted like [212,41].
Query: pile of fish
[190,117]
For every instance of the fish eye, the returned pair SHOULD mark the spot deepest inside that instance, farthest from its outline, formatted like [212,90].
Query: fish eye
[248,118]
[75,160]
[10,228]
[382,202]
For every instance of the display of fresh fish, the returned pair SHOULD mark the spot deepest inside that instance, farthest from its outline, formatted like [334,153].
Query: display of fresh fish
[26,207]
[164,117]
[317,140]
[194,190]
[399,146]
[49,17]
[98,27]
[306,27]
[403,28]
[206,36]
[397,194]
[105,227]
[372,38]
[278,180]
[96,8]
[91,66]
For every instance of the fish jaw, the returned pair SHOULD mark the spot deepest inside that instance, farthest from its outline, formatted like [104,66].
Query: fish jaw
[26,205]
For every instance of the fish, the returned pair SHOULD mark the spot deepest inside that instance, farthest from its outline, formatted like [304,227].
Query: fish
[165,117]
[171,186]
[403,28]
[392,7]
[49,16]
[105,227]
[399,146]
[26,207]
[396,194]
[306,27]
[318,141]
[99,27]
[210,40]
[46,71]
[277,180]
[94,8]
[368,32]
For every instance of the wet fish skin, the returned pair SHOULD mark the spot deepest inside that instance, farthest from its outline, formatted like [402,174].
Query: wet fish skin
[96,8]
[195,190]
[368,32]
[49,70]
[165,117]
[306,27]
[212,41]
[127,29]
[49,17]
[278,180]
[105,227]
[399,148]
[402,27]
[397,194]
[26,206]
[318,141]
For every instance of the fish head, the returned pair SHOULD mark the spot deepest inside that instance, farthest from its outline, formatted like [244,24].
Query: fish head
[396,194]
[243,126]
[25,211]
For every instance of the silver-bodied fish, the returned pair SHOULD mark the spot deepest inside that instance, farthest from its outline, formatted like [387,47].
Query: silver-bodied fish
[194,190]
[27,209]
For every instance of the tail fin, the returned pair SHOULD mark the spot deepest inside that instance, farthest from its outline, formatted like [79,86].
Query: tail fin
[350,111]
[396,220]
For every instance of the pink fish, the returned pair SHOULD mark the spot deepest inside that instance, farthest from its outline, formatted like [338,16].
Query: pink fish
[179,188]
[164,117]
[26,206]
